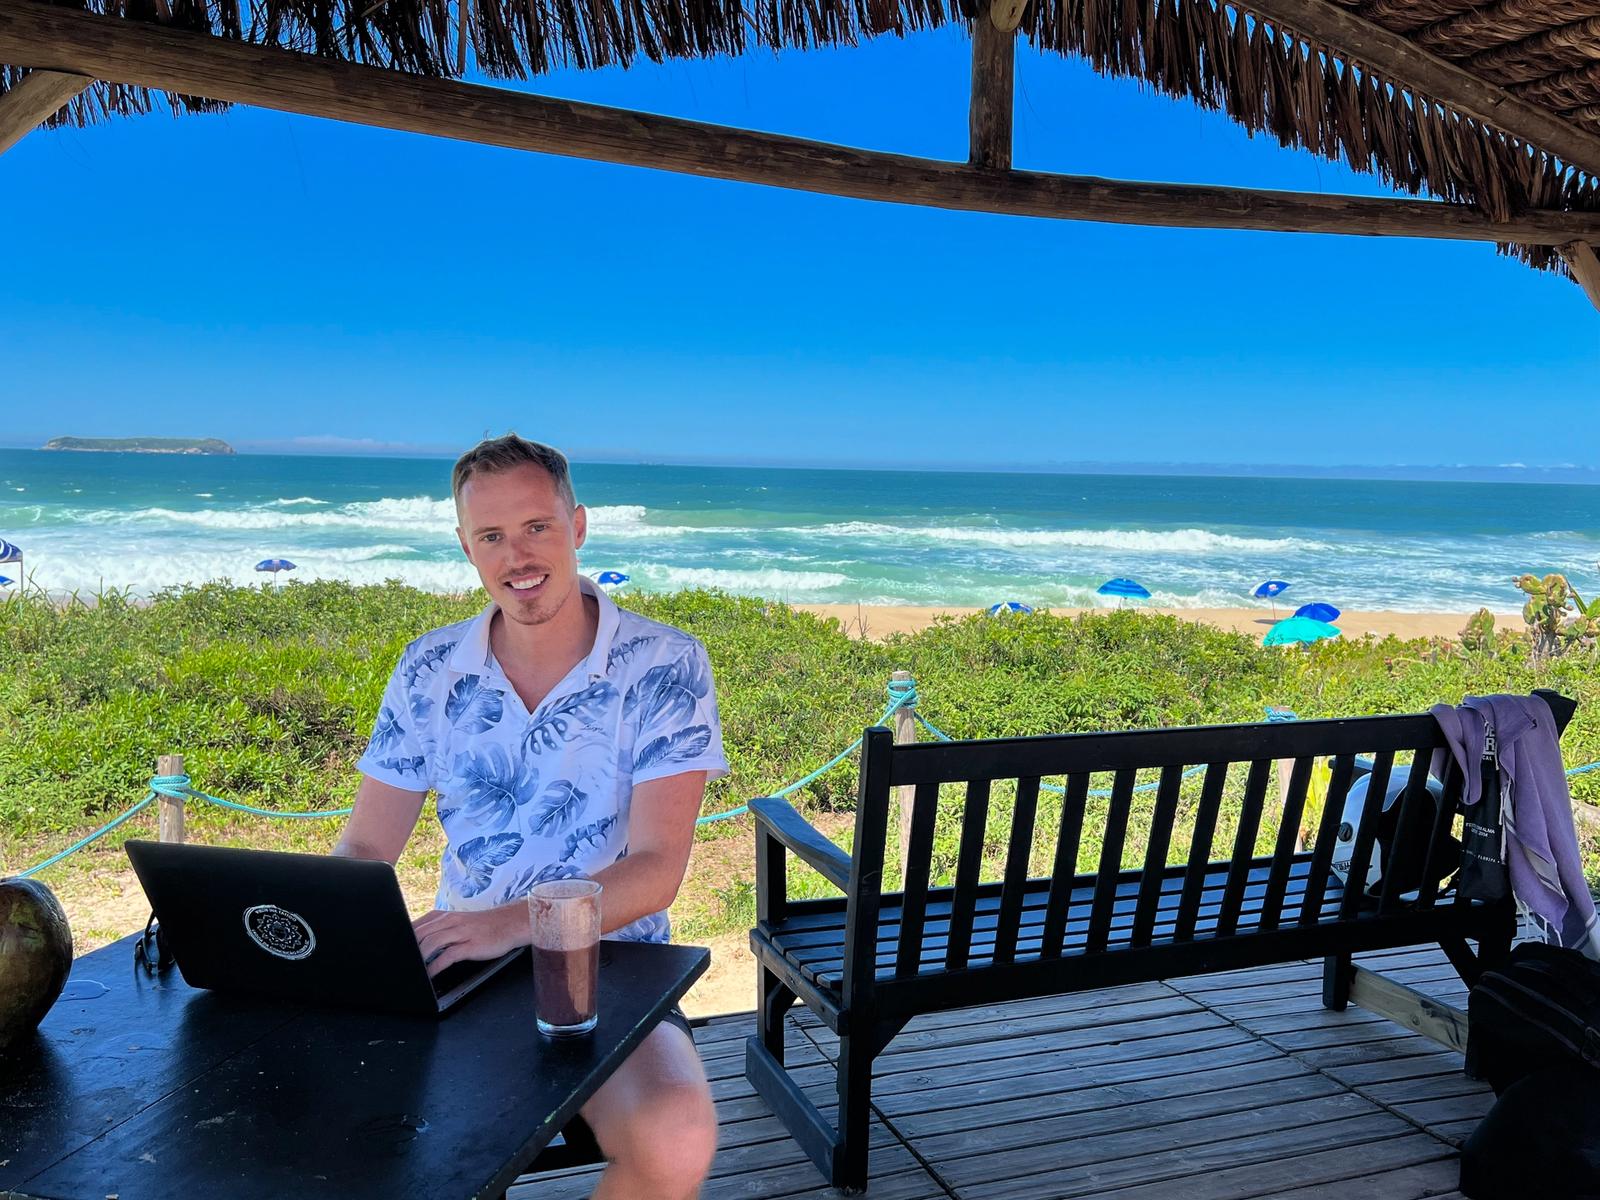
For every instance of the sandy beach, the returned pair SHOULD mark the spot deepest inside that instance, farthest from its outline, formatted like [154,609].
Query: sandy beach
[883,620]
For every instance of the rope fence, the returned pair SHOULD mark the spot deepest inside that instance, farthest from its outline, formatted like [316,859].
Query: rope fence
[902,694]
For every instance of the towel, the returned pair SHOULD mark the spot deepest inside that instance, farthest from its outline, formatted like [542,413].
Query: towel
[1541,843]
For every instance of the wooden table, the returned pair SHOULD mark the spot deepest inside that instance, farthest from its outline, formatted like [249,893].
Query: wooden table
[140,1086]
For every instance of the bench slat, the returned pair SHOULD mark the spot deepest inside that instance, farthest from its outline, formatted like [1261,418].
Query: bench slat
[1366,833]
[1105,891]
[919,862]
[1294,805]
[969,865]
[1155,855]
[1443,813]
[1244,842]
[1018,853]
[1344,770]
[1065,870]
[1205,831]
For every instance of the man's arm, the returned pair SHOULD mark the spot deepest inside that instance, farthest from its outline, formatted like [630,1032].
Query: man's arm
[382,822]
[660,836]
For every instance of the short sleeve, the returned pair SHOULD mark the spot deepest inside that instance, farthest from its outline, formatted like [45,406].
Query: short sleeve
[679,730]
[395,754]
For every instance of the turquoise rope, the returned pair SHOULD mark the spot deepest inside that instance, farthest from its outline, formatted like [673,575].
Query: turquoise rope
[902,694]
[79,845]
[177,786]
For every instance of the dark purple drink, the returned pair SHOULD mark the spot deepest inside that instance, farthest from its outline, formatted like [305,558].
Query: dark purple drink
[564,989]
[564,916]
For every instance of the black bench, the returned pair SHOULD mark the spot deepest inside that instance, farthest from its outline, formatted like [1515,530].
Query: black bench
[869,961]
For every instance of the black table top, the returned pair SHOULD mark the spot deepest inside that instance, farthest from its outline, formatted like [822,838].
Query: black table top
[140,1086]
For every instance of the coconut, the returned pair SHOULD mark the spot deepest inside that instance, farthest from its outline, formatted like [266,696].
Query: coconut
[35,956]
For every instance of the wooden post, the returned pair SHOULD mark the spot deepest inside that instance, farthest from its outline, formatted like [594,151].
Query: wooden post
[905,730]
[1585,267]
[989,116]
[171,819]
[35,98]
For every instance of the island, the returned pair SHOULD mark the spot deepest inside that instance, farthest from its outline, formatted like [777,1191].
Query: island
[143,445]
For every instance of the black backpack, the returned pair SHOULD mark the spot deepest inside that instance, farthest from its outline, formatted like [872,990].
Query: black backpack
[1540,1141]
[1534,1032]
[1542,1009]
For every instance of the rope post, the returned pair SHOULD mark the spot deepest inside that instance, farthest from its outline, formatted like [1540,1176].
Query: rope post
[905,730]
[170,821]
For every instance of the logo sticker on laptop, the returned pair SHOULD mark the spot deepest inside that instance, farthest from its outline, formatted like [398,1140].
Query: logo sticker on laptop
[279,932]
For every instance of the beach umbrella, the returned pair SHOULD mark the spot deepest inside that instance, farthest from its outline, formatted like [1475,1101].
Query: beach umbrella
[1295,630]
[1270,589]
[608,578]
[10,552]
[1318,611]
[1007,607]
[1124,590]
[274,565]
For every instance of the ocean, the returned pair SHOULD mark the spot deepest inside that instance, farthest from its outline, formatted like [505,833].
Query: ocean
[87,522]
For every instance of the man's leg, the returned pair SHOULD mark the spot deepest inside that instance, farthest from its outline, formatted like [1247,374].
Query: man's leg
[655,1121]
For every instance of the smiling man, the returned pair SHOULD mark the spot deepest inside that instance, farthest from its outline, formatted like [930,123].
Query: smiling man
[562,736]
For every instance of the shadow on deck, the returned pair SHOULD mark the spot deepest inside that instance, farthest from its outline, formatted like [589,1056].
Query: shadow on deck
[1221,1087]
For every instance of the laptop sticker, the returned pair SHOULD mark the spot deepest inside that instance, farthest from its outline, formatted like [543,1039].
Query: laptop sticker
[279,932]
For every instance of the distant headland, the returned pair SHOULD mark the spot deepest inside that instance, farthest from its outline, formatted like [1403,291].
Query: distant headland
[146,445]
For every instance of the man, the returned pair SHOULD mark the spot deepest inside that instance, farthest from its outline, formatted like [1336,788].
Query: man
[562,737]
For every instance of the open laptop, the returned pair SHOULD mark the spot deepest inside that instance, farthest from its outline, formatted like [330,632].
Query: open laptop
[312,928]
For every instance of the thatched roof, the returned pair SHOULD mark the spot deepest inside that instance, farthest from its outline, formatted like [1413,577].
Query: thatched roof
[1269,79]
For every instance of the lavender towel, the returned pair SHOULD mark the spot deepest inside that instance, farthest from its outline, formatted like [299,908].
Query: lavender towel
[1541,844]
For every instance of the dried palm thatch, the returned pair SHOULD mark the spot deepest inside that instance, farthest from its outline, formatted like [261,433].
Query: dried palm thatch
[1269,79]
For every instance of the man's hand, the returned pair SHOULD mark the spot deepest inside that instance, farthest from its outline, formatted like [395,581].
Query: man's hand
[449,937]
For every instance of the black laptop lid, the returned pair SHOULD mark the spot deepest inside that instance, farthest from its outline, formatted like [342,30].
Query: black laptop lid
[314,928]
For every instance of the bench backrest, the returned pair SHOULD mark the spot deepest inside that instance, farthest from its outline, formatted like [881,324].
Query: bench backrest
[1215,755]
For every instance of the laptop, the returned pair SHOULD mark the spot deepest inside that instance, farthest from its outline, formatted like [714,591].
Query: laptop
[311,928]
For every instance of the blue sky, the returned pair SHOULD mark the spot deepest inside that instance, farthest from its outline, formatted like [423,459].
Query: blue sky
[287,283]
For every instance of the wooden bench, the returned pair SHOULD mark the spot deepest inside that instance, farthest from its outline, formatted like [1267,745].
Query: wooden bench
[869,961]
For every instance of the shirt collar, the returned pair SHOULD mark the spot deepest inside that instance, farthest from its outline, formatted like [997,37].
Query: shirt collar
[471,655]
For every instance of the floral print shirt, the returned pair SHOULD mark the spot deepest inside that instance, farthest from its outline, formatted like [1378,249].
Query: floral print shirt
[529,796]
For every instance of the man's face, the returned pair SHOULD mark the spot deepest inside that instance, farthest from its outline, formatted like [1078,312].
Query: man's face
[517,531]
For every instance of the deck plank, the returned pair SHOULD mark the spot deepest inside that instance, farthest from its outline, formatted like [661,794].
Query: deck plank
[1235,1086]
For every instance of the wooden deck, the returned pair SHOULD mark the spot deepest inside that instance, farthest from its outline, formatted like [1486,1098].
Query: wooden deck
[1216,1088]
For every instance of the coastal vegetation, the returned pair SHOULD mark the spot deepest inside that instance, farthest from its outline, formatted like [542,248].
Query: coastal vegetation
[142,445]
[270,695]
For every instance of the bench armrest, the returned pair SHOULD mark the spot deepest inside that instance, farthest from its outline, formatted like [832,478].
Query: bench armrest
[778,819]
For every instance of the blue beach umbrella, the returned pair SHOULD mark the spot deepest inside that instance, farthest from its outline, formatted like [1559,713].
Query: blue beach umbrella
[10,552]
[1007,607]
[1318,611]
[1295,630]
[1270,589]
[274,565]
[608,578]
[1124,589]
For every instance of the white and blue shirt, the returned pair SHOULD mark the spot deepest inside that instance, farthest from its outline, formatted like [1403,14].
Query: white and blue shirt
[529,796]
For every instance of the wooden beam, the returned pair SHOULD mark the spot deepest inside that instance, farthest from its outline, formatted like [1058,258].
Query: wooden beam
[1433,1019]
[994,53]
[1404,63]
[1585,267]
[35,99]
[47,36]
